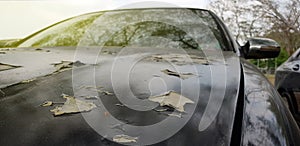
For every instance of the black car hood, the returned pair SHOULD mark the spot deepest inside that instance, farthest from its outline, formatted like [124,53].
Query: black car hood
[121,84]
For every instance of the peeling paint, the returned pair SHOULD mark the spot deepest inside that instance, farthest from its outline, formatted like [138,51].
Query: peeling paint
[62,65]
[118,104]
[4,67]
[171,99]
[72,105]
[176,74]
[124,139]
[179,59]
[91,97]
[97,89]
[47,103]
[66,65]
[106,92]
[28,81]
[160,110]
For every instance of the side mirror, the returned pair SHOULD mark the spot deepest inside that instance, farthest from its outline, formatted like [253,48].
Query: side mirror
[260,48]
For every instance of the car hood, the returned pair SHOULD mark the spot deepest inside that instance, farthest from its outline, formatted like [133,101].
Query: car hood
[119,83]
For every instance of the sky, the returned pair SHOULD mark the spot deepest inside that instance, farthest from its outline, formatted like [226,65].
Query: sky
[21,18]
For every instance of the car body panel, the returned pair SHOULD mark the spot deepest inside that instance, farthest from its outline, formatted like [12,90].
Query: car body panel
[263,112]
[35,125]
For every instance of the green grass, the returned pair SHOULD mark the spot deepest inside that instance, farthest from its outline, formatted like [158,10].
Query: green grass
[271,78]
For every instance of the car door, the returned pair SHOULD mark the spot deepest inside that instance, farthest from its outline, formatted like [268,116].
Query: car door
[287,82]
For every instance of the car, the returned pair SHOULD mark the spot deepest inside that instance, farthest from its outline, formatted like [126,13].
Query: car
[145,76]
[287,83]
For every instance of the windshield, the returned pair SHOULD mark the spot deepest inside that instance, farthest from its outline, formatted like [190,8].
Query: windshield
[159,28]
[65,33]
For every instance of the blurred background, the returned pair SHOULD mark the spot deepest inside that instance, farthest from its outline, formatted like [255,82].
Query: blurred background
[275,19]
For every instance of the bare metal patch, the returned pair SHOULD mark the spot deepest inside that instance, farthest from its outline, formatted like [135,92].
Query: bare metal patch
[171,99]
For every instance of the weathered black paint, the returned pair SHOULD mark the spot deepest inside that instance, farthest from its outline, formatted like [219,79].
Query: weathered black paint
[265,115]
[287,82]
[39,127]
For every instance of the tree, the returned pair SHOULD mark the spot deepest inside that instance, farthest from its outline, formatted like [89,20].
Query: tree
[276,19]
[285,18]
[238,14]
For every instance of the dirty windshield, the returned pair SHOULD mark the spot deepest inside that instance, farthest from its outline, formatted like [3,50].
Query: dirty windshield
[158,28]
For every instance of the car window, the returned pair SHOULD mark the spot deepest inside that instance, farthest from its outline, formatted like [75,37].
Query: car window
[159,28]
